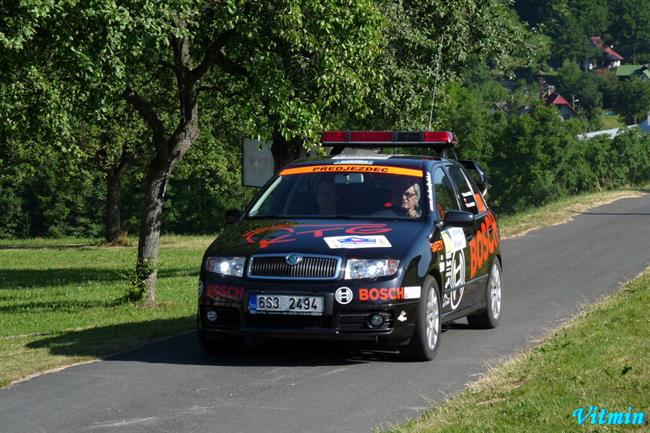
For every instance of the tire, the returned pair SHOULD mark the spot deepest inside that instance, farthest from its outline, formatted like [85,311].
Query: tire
[219,344]
[490,316]
[424,343]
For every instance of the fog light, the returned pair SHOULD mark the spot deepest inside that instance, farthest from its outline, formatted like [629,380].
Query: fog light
[375,320]
[211,315]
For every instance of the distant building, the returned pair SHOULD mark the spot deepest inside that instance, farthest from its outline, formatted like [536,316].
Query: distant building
[611,59]
[565,108]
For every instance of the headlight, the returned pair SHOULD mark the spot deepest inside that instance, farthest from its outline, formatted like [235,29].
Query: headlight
[233,266]
[370,268]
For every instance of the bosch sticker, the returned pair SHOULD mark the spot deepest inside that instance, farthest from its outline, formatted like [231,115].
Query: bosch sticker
[343,295]
[221,291]
[483,244]
[381,294]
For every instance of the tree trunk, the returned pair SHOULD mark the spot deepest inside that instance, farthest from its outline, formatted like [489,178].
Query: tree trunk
[150,227]
[170,149]
[113,227]
[284,151]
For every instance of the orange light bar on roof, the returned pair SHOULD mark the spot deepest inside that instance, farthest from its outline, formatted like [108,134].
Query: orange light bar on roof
[351,168]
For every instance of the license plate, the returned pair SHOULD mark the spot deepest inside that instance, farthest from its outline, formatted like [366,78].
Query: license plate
[286,304]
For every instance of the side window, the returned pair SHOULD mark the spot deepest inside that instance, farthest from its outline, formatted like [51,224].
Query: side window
[444,192]
[468,198]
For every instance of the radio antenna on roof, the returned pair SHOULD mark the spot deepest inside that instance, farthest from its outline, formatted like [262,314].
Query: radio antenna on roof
[435,79]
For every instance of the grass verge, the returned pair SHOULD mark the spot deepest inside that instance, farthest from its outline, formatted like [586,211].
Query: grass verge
[600,359]
[59,301]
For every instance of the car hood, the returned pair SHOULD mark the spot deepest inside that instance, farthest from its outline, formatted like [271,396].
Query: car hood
[345,238]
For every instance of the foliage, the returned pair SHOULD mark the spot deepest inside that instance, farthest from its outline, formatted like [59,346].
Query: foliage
[585,87]
[430,43]
[632,100]
[290,69]
[569,23]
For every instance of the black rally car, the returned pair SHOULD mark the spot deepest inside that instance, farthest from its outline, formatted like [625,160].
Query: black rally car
[358,246]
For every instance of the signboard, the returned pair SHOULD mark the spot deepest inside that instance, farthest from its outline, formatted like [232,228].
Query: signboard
[258,162]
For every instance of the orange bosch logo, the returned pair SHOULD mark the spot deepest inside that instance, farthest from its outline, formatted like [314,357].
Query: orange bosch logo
[483,244]
[342,168]
[382,294]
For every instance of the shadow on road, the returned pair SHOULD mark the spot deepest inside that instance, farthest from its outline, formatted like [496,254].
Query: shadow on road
[185,350]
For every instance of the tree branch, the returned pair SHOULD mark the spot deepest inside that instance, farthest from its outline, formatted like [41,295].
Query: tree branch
[146,111]
[215,55]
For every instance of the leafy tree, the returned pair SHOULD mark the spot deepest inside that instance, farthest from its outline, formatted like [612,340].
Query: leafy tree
[630,27]
[632,100]
[298,58]
[428,44]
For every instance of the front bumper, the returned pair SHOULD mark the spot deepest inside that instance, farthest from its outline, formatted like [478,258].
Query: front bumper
[339,321]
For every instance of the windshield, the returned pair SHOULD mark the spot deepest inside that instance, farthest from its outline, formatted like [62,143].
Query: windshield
[351,192]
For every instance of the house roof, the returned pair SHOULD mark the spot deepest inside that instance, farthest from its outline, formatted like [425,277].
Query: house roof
[558,100]
[611,54]
[597,42]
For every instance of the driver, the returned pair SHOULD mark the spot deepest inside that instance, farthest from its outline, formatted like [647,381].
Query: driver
[326,197]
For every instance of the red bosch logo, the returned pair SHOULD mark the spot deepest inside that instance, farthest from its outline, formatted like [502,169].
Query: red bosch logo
[220,291]
[381,294]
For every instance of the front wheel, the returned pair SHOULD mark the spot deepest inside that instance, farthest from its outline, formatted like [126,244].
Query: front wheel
[426,336]
[489,318]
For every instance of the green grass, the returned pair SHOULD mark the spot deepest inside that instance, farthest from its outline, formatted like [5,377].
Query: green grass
[600,359]
[59,300]
[611,122]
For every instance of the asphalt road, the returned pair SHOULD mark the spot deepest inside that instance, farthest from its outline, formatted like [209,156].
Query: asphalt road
[283,387]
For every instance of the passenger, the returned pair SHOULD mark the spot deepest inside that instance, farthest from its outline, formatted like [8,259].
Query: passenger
[405,200]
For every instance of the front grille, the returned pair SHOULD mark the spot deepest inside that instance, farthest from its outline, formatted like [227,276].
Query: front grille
[351,322]
[281,321]
[227,317]
[310,267]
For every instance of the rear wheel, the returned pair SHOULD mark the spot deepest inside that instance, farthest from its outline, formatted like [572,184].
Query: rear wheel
[426,336]
[220,344]
[489,318]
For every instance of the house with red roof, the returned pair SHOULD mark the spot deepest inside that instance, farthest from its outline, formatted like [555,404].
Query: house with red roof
[611,59]
[567,111]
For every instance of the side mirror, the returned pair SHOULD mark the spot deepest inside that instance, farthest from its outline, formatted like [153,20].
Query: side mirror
[231,216]
[459,218]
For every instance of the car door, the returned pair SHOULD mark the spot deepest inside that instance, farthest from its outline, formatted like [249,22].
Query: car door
[451,244]
[472,201]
